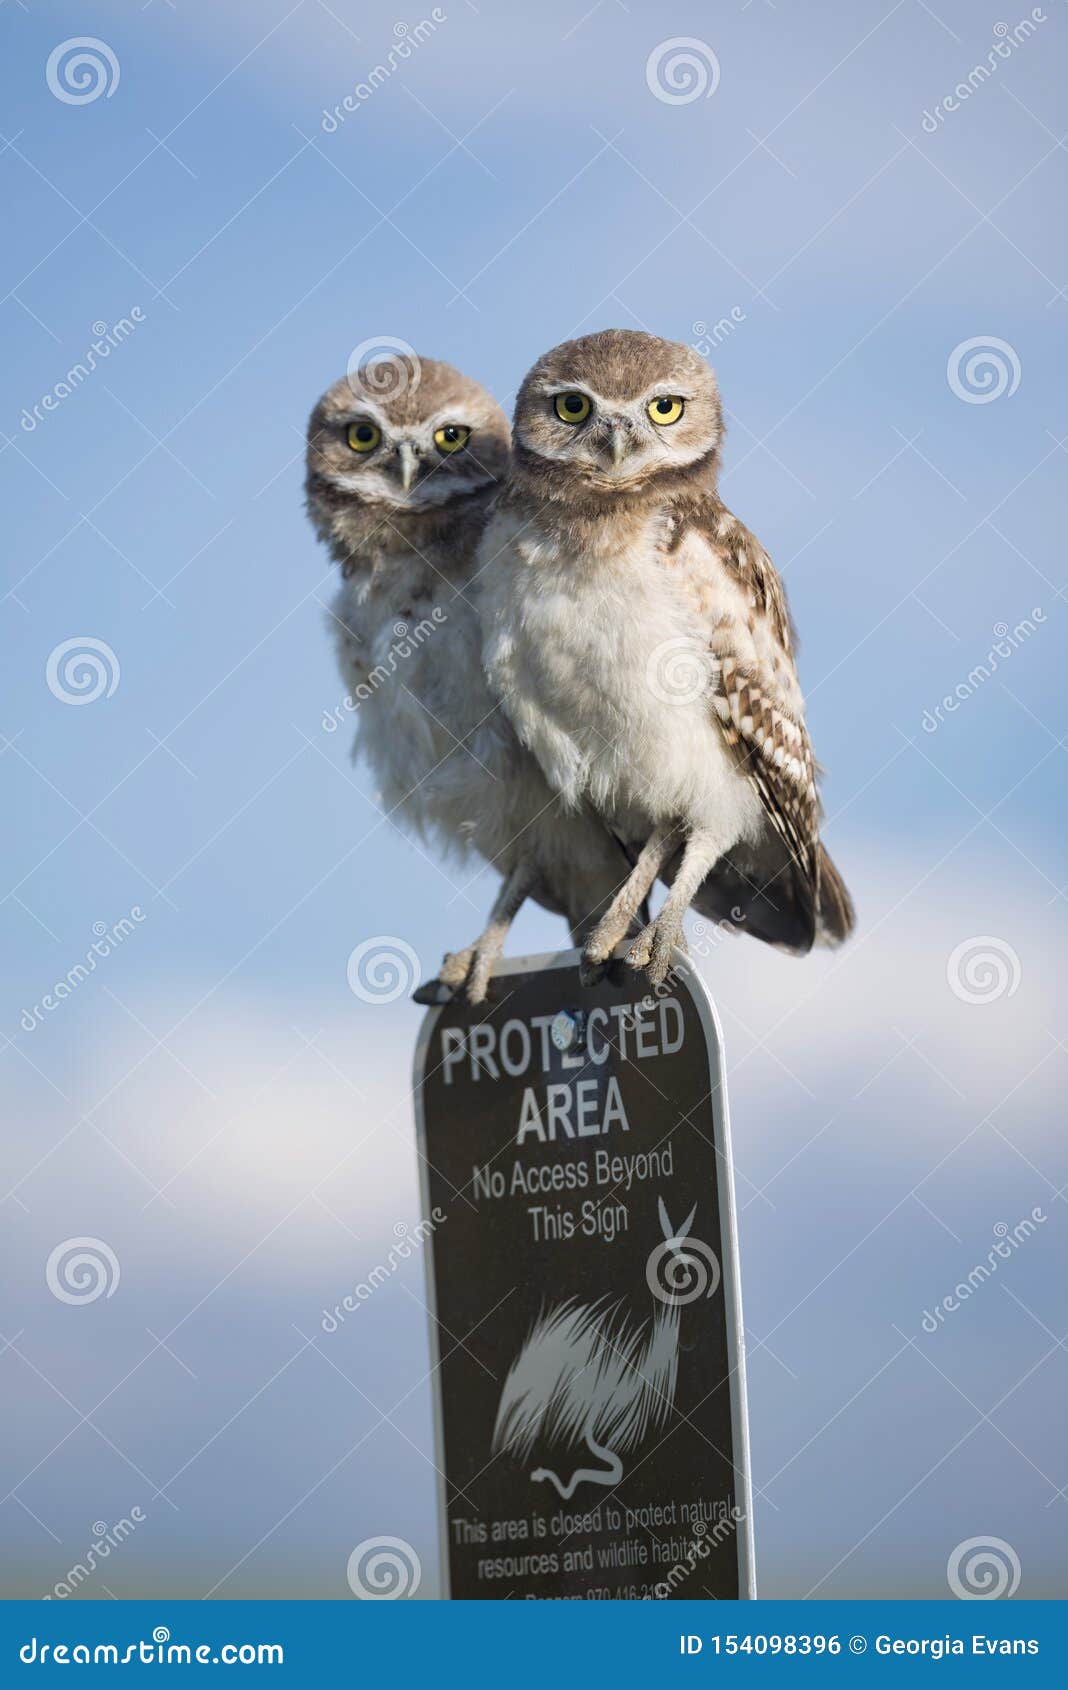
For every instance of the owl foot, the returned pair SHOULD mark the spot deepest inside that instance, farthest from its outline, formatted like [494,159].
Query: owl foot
[467,973]
[451,976]
[599,947]
[654,948]
[463,973]
[456,967]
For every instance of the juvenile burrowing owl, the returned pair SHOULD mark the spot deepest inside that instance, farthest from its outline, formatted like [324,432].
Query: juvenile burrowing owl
[403,459]
[640,638]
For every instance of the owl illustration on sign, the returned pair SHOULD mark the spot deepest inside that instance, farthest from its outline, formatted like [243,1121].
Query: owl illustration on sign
[591,1379]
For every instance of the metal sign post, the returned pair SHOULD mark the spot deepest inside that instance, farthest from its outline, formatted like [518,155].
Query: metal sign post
[582,1277]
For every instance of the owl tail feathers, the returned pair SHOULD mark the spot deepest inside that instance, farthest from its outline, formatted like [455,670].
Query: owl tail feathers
[837,916]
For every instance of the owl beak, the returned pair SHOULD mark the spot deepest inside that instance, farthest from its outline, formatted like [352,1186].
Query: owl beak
[617,443]
[407,464]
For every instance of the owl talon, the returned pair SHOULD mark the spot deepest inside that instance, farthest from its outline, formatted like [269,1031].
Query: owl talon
[654,949]
[592,969]
[451,976]
[662,960]
[642,949]
[456,967]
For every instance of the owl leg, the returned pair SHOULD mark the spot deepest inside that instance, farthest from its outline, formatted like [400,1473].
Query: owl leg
[654,947]
[616,920]
[488,947]
[471,968]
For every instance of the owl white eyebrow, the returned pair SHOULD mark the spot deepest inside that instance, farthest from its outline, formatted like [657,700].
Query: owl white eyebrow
[443,418]
[555,391]
[657,391]
[370,413]
[366,412]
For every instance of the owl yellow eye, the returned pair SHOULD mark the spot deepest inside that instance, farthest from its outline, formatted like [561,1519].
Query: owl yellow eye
[363,437]
[571,407]
[665,411]
[452,438]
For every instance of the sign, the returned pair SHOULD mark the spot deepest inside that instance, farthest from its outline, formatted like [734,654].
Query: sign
[582,1277]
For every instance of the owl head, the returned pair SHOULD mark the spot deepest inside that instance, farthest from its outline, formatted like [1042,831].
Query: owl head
[617,412]
[404,439]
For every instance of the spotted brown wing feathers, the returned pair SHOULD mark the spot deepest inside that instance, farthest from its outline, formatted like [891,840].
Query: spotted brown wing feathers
[755,691]
[778,758]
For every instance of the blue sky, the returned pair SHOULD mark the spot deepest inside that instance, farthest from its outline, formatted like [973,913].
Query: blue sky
[514,182]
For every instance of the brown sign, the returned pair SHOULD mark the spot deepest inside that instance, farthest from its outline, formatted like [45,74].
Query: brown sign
[583,1286]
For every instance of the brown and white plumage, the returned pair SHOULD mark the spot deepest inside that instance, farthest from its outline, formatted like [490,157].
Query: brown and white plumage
[757,698]
[612,566]
[401,511]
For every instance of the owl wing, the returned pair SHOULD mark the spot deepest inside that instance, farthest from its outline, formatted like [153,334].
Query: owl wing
[757,699]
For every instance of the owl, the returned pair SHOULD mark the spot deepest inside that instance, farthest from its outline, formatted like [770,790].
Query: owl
[640,638]
[403,460]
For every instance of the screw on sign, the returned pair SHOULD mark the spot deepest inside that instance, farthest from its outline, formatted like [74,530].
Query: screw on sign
[586,1319]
